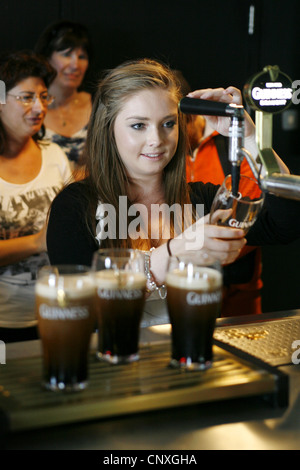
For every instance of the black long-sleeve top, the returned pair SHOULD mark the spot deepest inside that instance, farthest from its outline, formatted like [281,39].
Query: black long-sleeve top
[70,242]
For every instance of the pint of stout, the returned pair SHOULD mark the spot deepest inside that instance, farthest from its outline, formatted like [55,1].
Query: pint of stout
[194,295]
[120,299]
[65,306]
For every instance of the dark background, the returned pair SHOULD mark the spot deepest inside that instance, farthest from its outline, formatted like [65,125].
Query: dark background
[210,42]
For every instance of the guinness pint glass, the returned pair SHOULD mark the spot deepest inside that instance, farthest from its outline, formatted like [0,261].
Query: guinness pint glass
[120,295]
[194,295]
[240,211]
[65,303]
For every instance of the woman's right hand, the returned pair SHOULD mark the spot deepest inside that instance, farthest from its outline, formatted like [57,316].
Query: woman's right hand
[225,243]
[230,95]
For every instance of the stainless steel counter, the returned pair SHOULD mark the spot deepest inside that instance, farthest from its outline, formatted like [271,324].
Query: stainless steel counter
[232,424]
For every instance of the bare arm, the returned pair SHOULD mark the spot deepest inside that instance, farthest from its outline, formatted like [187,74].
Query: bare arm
[17,249]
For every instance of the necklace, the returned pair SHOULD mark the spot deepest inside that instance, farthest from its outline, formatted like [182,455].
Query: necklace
[64,116]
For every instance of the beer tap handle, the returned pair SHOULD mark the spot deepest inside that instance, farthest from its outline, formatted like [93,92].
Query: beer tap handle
[272,180]
[270,92]
[207,107]
[236,130]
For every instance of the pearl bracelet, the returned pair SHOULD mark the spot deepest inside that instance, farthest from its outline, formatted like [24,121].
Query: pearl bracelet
[151,284]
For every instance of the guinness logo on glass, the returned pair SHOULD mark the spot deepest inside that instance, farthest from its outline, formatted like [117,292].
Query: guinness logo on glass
[269,91]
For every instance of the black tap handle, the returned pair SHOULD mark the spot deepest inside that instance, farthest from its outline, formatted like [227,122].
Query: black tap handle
[205,107]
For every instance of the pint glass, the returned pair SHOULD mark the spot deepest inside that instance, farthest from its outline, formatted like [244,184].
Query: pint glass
[65,301]
[239,211]
[120,287]
[194,295]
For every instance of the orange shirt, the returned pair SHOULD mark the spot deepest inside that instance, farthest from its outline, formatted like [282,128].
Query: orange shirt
[205,165]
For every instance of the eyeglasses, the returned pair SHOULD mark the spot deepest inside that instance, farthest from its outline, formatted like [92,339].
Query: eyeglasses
[27,99]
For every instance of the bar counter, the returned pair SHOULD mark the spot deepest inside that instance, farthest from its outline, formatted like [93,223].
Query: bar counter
[229,423]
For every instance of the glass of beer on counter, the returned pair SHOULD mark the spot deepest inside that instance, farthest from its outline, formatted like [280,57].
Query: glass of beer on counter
[237,210]
[194,296]
[120,295]
[65,307]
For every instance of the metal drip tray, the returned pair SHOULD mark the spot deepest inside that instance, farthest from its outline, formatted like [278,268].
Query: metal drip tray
[271,342]
[149,384]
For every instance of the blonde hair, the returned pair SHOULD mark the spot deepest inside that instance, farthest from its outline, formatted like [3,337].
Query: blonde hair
[106,175]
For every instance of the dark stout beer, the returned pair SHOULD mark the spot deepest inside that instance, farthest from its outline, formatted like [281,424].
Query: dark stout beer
[66,318]
[120,299]
[193,306]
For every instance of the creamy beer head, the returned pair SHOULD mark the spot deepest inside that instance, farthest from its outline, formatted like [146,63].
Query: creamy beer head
[74,286]
[112,279]
[199,278]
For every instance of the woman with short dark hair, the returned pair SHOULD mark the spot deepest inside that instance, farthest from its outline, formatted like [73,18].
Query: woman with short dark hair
[31,174]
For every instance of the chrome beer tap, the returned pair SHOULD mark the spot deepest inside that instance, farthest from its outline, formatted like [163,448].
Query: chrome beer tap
[270,92]
[267,93]
[236,130]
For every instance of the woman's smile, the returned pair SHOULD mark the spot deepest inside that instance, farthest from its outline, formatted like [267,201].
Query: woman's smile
[153,156]
[146,132]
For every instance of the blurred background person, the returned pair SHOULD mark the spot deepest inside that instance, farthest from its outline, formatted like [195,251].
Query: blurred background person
[66,45]
[31,174]
[207,161]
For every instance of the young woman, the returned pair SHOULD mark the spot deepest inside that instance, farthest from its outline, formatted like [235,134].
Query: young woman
[31,174]
[66,45]
[136,150]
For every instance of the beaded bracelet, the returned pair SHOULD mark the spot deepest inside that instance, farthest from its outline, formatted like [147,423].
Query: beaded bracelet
[151,284]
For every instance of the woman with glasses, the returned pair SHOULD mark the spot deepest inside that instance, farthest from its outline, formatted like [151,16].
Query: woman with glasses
[66,46]
[31,174]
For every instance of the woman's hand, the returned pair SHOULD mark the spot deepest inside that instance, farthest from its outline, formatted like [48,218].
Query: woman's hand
[225,243]
[221,124]
[228,95]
